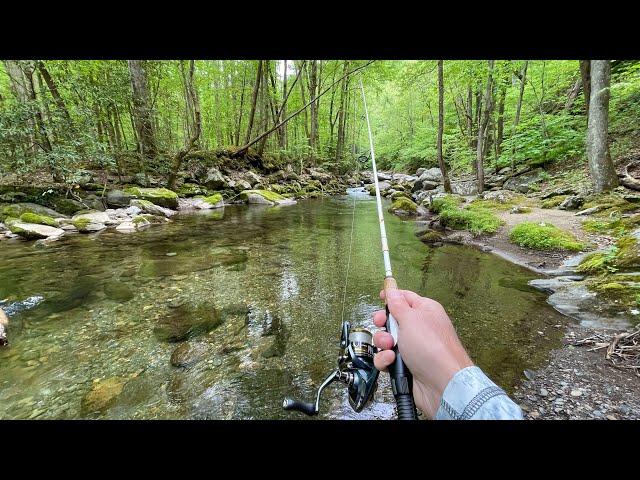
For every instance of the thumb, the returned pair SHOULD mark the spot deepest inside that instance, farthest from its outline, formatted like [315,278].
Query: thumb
[398,305]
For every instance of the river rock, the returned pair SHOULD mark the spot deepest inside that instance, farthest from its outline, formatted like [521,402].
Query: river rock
[152,209]
[214,179]
[118,291]
[431,175]
[469,187]
[4,323]
[187,320]
[15,210]
[93,217]
[522,183]
[188,354]
[319,175]
[33,231]
[117,198]
[571,203]
[158,196]
[126,227]
[102,395]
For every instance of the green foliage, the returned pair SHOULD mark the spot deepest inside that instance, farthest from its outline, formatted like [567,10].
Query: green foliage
[543,236]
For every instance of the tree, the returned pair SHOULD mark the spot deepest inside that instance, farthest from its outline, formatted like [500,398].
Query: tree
[585,73]
[443,168]
[603,173]
[482,127]
[142,112]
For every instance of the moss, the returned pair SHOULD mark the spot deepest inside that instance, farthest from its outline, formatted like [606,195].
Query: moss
[594,263]
[81,223]
[553,201]
[476,218]
[403,204]
[213,200]
[191,190]
[159,196]
[627,252]
[543,236]
[267,194]
[39,219]
[430,236]
[623,293]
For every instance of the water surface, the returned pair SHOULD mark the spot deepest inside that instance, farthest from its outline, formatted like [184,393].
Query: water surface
[256,293]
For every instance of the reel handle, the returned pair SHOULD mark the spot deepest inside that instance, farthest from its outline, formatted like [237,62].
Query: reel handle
[401,378]
[307,408]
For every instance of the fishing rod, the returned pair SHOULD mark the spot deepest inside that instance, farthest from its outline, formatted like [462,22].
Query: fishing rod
[355,364]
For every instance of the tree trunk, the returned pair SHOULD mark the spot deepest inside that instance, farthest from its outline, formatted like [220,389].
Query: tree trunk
[603,173]
[197,124]
[482,127]
[585,73]
[341,114]
[142,114]
[443,168]
[500,123]
[283,109]
[313,92]
[516,120]
[254,101]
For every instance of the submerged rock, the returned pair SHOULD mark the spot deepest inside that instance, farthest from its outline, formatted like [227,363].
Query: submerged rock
[102,395]
[188,354]
[118,291]
[186,321]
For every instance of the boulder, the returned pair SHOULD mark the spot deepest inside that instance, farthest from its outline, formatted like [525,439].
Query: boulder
[92,217]
[500,196]
[33,231]
[432,175]
[17,209]
[214,179]
[384,176]
[149,207]
[159,196]
[522,183]
[420,171]
[571,203]
[403,207]
[321,176]
[117,198]
[265,197]
[468,187]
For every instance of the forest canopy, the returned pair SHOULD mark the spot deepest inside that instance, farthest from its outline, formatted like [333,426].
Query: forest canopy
[66,116]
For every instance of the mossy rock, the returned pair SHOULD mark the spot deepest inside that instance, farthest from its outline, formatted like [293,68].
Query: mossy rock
[271,197]
[214,200]
[191,190]
[66,206]
[17,209]
[403,206]
[159,196]
[543,236]
[38,219]
[430,236]
[102,395]
[553,201]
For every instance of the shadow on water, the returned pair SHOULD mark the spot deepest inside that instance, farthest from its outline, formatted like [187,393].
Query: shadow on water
[222,314]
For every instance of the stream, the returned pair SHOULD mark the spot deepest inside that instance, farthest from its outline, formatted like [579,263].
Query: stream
[220,314]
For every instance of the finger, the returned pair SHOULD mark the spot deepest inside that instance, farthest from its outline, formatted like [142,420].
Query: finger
[383,359]
[412,298]
[383,340]
[380,318]
[398,305]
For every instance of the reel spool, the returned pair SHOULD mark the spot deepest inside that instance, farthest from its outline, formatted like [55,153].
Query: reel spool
[355,370]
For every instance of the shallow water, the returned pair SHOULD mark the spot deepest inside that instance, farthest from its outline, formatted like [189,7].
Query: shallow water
[256,293]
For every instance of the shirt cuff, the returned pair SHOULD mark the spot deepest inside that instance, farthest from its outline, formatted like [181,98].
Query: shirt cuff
[470,394]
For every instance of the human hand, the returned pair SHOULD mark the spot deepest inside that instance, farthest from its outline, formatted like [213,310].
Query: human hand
[427,342]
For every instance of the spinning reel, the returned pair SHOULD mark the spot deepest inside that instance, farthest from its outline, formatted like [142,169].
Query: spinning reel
[355,370]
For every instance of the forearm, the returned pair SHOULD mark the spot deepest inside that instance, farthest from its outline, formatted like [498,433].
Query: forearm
[471,395]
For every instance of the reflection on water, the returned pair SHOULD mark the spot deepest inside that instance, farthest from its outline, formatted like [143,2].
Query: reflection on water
[221,315]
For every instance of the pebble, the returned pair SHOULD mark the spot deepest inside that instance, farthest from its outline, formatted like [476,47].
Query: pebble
[612,417]
[543,392]
[576,393]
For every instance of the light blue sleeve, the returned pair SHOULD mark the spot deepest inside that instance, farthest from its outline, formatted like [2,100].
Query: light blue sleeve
[471,395]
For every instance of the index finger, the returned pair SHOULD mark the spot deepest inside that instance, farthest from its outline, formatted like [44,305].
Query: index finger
[412,298]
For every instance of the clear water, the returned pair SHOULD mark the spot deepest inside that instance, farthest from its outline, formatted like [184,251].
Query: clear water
[257,293]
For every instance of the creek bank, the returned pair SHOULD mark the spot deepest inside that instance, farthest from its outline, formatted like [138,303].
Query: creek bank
[579,384]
